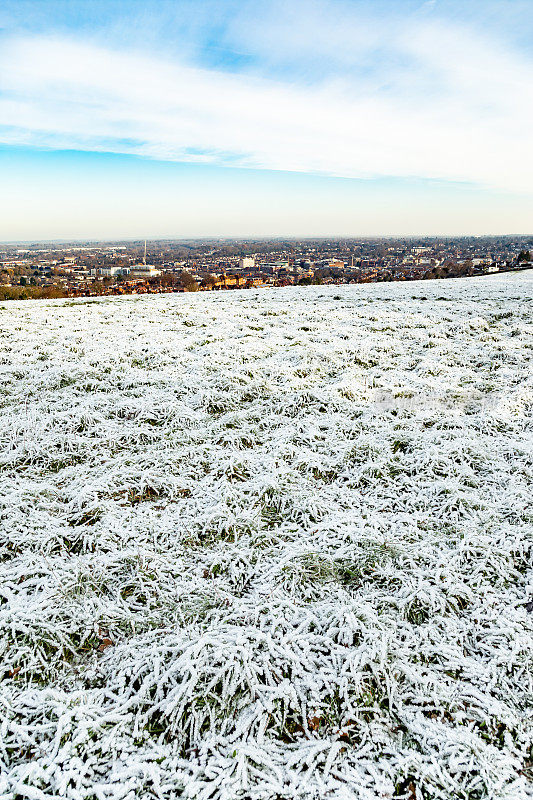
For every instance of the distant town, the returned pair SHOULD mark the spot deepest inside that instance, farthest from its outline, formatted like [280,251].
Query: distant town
[51,270]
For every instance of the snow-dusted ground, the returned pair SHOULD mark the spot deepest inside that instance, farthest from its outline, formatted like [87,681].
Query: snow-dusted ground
[268,544]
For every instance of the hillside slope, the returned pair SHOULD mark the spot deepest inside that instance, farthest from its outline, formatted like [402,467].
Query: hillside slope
[269,544]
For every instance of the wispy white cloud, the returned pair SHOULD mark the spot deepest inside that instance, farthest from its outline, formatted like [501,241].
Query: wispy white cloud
[448,104]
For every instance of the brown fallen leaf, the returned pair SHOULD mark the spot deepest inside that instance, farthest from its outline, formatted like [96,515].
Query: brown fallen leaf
[104,644]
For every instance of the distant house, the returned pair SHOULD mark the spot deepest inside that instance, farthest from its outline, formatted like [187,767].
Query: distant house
[229,282]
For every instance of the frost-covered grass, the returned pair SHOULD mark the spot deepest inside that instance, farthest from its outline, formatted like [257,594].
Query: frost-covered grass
[268,545]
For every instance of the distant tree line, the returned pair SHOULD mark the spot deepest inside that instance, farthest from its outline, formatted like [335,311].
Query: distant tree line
[31,292]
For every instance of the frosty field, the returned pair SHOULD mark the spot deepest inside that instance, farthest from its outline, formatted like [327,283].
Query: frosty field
[269,545]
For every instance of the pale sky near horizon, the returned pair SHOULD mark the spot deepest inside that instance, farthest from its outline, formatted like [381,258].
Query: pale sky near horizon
[242,118]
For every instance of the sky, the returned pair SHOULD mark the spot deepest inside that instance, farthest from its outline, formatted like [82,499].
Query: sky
[151,118]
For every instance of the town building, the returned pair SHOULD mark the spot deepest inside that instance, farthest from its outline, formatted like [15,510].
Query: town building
[144,271]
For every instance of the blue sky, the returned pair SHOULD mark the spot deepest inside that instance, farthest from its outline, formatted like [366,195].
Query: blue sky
[323,117]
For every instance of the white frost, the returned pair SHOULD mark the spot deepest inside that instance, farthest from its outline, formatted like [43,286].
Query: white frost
[268,544]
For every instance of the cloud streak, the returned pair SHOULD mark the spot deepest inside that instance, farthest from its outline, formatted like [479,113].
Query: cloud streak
[447,105]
